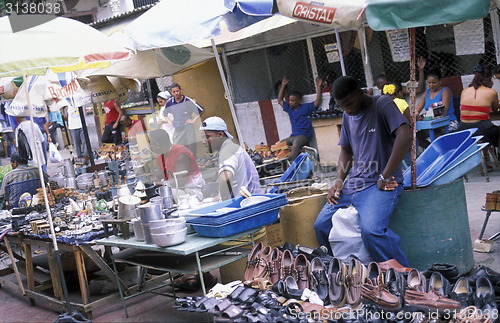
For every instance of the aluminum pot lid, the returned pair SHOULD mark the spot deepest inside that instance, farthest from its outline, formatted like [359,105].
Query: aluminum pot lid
[129,199]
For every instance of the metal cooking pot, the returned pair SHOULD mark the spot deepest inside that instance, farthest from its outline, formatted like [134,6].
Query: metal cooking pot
[127,205]
[149,212]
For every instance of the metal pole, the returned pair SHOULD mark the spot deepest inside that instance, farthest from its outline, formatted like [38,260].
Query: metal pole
[312,59]
[228,94]
[86,135]
[341,55]
[413,109]
[151,104]
[366,58]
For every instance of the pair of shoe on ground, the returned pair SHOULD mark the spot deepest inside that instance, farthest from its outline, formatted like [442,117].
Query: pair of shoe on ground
[268,263]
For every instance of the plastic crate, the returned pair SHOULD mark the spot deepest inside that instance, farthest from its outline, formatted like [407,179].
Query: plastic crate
[209,215]
[234,227]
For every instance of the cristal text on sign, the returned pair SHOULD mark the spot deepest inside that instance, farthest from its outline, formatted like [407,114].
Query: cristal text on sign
[314,11]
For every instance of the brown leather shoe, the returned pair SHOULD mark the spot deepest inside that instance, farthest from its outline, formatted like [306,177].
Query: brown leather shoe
[286,268]
[356,276]
[393,263]
[417,301]
[379,296]
[301,267]
[337,275]
[374,274]
[253,262]
[273,266]
[416,281]
[264,259]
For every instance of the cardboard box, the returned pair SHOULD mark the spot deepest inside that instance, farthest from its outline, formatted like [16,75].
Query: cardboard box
[275,236]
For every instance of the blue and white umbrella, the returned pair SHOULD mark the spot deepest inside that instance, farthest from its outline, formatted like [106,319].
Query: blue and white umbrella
[177,22]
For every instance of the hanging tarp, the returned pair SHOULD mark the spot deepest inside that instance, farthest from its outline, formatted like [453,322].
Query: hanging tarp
[398,14]
[156,62]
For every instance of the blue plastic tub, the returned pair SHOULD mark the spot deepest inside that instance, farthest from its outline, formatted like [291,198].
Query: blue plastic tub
[233,227]
[466,149]
[439,153]
[211,216]
[298,170]
[461,167]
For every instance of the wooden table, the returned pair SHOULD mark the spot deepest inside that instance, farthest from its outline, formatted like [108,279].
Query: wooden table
[196,255]
[34,288]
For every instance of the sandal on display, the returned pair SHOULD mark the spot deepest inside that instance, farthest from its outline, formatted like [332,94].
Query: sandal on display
[220,306]
[232,312]
[207,305]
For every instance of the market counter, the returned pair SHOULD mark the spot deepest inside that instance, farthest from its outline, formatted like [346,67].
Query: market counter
[196,255]
[33,289]
[327,131]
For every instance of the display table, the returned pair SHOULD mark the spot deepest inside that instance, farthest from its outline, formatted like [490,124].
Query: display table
[34,287]
[327,131]
[434,124]
[196,255]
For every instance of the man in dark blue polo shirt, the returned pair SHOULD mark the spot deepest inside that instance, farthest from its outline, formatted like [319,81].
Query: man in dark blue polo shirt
[302,130]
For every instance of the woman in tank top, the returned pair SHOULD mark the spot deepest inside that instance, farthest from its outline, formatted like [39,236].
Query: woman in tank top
[476,103]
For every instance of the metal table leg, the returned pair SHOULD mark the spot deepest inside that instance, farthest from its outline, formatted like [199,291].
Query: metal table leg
[486,219]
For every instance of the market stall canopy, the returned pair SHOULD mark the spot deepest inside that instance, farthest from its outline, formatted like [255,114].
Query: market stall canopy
[398,14]
[384,14]
[180,22]
[154,63]
[336,13]
[56,43]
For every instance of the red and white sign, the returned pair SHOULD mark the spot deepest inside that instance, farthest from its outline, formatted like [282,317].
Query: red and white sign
[335,13]
[314,13]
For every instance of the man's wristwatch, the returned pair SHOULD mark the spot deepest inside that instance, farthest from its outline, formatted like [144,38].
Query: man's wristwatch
[382,179]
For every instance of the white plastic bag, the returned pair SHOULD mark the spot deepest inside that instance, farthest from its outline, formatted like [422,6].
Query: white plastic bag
[55,155]
[345,236]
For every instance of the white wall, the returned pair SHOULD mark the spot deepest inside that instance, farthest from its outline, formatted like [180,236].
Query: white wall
[252,127]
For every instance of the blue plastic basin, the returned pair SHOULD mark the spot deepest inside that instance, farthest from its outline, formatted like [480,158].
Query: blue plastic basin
[461,167]
[466,149]
[440,152]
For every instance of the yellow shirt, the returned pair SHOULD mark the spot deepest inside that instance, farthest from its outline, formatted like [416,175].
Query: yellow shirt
[402,104]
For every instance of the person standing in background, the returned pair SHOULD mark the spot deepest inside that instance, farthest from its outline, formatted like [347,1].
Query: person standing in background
[186,113]
[112,133]
[165,124]
[55,122]
[72,115]
[32,133]
[41,123]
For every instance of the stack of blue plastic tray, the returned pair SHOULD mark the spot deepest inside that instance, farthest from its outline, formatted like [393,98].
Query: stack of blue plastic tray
[233,219]
[447,158]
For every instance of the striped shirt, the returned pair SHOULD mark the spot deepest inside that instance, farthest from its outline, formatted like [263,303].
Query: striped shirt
[20,174]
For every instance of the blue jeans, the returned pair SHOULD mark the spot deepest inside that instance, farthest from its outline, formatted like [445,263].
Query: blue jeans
[79,142]
[375,208]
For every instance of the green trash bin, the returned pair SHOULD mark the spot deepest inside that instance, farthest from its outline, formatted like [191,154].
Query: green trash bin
[433,224]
